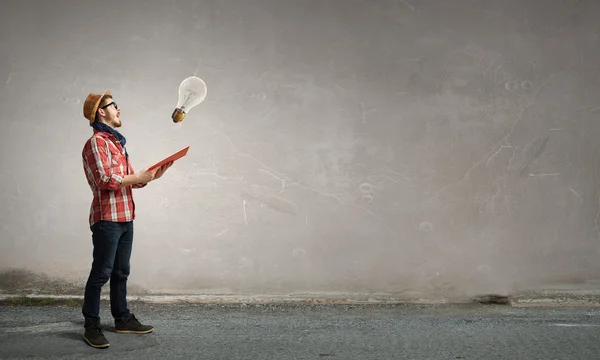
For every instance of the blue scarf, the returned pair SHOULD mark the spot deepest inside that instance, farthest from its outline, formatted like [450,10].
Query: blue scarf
[105,128]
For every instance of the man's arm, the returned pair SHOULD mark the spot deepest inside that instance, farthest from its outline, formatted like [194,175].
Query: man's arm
[98,160]
[136,184]
[133,181]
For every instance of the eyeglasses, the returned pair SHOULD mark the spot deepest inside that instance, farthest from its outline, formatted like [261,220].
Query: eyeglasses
[112,103]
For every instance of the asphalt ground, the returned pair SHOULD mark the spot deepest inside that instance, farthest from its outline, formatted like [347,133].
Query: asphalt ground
[309,331]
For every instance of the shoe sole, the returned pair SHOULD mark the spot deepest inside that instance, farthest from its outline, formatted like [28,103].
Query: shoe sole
[133,331]
[101,346]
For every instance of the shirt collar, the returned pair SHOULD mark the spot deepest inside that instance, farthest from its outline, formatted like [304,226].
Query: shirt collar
[104,134]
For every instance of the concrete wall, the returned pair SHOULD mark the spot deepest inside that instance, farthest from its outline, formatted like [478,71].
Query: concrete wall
[351,146]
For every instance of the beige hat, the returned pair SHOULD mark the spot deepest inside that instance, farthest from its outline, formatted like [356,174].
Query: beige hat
[90,106]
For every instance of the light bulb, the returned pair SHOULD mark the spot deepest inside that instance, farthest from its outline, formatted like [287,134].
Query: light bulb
[192,91]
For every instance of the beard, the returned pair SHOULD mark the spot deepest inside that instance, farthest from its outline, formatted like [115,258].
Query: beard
[116,122]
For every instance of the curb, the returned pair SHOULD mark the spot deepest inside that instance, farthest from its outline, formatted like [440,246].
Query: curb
[558,297]
[252,299]
[541,298]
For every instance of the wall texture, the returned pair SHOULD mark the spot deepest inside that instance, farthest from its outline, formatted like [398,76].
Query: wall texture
[344,146]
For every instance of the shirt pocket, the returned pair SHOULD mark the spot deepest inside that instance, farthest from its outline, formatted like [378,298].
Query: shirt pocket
[117,166]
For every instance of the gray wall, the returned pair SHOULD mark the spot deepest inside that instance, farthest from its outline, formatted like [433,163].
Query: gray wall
[344,146]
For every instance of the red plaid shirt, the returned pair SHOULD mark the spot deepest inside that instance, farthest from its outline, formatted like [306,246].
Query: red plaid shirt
[105,164]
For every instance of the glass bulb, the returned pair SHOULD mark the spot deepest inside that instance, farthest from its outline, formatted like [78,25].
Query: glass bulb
[192,91]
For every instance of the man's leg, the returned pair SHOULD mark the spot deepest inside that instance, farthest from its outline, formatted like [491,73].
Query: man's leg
[125,321]
[105,238]
[119,275]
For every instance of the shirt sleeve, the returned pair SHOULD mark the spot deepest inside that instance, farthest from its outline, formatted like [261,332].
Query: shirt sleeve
[99,162]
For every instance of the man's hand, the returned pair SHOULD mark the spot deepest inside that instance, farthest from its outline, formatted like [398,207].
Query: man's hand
[145,176]
[162,170]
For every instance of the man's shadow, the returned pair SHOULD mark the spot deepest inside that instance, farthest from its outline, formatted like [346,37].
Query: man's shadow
[78,334]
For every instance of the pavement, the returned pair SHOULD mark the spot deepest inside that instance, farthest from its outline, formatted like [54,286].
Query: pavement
[558,321]
[310,331]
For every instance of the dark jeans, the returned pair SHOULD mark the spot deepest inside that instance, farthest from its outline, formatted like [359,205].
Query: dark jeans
[112,250]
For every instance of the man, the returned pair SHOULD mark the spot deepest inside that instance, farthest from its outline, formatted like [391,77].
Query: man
[111,177]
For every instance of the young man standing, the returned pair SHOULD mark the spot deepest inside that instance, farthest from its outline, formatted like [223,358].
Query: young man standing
[111,178]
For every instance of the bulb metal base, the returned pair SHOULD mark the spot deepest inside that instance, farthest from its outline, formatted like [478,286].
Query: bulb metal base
[178,115]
